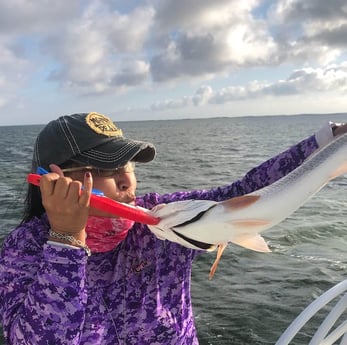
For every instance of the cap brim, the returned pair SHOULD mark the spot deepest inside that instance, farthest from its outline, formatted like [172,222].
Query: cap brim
[116,153]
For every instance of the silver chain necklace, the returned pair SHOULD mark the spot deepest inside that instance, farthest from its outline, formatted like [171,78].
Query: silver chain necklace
[120,341]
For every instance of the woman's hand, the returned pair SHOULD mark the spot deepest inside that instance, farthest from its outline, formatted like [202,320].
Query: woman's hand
[67,207]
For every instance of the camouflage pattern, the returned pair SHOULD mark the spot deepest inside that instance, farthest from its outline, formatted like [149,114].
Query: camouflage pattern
[138,293]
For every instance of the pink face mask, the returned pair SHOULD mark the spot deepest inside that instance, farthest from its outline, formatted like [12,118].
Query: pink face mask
[104,234]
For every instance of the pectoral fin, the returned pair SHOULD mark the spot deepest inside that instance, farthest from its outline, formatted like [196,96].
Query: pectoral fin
[253,242]
[220,251]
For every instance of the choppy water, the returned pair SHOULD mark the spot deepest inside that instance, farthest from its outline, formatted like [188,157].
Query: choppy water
[253,296]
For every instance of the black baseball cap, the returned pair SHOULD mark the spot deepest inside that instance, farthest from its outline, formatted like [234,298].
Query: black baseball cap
[88,139]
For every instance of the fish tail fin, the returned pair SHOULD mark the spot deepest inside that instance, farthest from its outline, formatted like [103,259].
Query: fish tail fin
[220,251]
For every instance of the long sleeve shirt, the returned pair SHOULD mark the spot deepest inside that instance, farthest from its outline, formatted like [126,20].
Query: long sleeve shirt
[138,293]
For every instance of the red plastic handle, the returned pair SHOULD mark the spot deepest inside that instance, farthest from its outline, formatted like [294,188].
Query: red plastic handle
[105,204]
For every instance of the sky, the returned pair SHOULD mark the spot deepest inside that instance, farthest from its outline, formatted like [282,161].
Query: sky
[171,59]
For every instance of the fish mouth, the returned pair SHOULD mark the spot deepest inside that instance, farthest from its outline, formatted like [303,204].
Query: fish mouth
[200,245]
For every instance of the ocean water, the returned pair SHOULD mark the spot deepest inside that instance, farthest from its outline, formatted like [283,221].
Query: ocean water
[253,296]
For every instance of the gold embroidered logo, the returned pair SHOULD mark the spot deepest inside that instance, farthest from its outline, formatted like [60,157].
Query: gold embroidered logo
[101,124]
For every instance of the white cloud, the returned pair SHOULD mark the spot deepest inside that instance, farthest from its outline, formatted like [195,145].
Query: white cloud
[202,95]
[332,78]
[98,52]
[13,73]
[209,39]
[132,73]
[194,15]
[310,30]
[171,104]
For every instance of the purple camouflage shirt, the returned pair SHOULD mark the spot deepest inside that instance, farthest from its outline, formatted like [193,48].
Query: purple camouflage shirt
[138,293]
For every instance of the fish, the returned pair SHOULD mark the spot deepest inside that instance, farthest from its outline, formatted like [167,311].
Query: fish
[208,225]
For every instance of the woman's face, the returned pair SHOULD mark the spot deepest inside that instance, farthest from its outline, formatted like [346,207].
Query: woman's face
[120,187]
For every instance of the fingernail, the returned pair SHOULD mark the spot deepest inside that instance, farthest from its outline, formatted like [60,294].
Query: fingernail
[88,174]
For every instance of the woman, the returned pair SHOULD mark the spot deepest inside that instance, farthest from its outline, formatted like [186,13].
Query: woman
[133,288]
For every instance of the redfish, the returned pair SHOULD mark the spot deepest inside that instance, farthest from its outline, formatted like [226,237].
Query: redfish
[206,225]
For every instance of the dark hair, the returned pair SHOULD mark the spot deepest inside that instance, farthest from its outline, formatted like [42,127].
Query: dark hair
[33,202]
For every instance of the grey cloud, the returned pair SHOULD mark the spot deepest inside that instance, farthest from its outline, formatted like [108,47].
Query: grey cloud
[179,13]
[313,25]
[40,16]
[215,51]
[297,10]
[193,56]
[199,38]
[128,79]
[131,74]
[334,37]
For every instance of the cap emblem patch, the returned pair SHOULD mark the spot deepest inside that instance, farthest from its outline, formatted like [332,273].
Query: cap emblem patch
[102,124]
